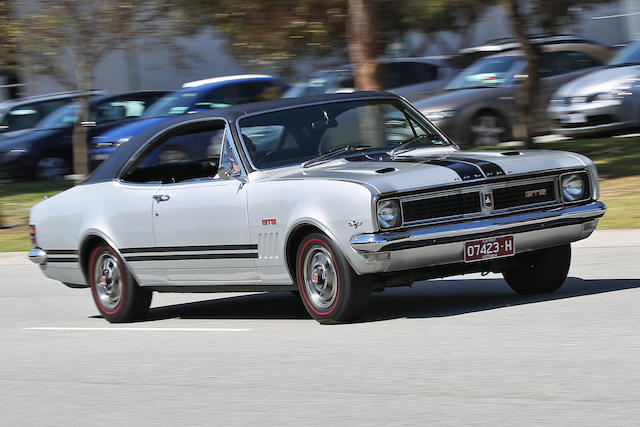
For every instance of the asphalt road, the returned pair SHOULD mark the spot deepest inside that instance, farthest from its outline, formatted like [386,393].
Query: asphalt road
[461,351]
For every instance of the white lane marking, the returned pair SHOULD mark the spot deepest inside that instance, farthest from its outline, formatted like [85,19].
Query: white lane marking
[71,328]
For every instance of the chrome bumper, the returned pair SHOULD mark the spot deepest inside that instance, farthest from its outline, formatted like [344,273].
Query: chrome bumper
[38,256]
[478,229]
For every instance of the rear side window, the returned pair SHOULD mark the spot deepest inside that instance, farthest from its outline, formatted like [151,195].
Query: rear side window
[398,74]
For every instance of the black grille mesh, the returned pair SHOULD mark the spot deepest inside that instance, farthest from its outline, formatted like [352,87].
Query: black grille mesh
[523,195]
[436,207]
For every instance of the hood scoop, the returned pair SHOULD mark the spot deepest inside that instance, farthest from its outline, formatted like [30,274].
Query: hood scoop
[386,170]
[511,153]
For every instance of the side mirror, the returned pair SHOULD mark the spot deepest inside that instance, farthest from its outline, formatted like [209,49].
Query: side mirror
[225,173]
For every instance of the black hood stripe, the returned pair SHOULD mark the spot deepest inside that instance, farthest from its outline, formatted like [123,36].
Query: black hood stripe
[490,169]
[465,170]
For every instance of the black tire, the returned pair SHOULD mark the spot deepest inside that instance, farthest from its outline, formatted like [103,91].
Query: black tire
[329,288]
[52,167]
[539,272]
[486,128]
[114,290]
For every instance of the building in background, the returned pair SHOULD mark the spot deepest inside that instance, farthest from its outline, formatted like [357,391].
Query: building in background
[205,54]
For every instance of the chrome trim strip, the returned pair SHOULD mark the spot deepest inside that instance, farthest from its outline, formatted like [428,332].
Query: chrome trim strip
[373,242]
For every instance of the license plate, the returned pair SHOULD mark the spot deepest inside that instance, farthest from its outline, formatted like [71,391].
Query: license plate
[574,118]
[495,247]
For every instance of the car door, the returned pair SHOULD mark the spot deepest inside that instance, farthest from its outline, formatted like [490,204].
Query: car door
[200,223]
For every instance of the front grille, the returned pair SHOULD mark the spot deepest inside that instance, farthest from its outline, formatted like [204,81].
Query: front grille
[445,206]
[523,195]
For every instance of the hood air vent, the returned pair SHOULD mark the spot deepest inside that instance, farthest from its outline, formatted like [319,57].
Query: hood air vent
[386,170]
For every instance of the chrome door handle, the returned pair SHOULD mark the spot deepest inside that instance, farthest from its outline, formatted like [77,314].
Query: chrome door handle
[161,197]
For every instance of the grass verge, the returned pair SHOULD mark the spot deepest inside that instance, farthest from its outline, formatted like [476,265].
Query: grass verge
[617,159]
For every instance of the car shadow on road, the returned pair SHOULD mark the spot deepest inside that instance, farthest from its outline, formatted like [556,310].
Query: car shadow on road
[423,300]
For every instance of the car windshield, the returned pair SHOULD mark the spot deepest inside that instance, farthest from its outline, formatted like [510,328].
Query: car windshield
[306,134]
[486,72]
[171,104]
[628,55]
[323,82]
[60,118]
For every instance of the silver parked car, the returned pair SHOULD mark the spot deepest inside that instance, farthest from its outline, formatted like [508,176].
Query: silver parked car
[478,107]
[412,78]
[323,198]
[607,100]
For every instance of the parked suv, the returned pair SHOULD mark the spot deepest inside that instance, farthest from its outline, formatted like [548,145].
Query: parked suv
[412,78]
[45,152]
[25,113]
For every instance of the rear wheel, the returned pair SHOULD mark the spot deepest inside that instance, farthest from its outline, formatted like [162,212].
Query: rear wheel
[52,168]
[540,272]
[115,292]
[330,290]
[486,128]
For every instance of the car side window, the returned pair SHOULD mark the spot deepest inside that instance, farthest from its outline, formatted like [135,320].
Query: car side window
[562,62]
[397,74]
[192,153]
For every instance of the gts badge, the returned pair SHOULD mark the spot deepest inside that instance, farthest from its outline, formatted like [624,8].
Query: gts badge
[535,193]
[269,221]
[354,224]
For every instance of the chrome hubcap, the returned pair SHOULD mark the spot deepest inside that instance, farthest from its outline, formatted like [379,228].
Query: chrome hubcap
[320,277]
[108,281]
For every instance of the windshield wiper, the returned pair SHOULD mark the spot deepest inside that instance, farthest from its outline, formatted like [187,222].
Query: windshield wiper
[333,153]
[407,145]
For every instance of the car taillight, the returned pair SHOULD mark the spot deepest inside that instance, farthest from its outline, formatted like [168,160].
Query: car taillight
[32,235]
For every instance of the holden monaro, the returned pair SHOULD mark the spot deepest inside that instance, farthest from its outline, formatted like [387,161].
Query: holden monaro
[332,196]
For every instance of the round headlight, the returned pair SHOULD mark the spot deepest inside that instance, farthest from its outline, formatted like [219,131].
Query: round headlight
[389,214]
[573,187]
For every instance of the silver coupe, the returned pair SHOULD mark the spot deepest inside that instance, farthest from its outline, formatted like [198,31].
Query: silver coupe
[333,196]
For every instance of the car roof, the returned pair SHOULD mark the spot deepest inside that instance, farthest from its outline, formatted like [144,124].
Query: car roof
[206,84]
[225,79]
[48,97]
[441,61]
[149,93]
[600,52]
[110,168]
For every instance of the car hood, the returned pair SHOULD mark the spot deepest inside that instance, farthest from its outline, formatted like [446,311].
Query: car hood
[128,130]
[22,139]
[420,171]
[455,99]
[604,80]
[14,133]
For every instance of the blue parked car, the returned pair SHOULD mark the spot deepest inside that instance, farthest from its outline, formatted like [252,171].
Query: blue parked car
[194,96]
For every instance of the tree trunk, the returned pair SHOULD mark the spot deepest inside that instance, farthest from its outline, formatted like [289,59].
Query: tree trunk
[362,44]
[528,92]
[79,140]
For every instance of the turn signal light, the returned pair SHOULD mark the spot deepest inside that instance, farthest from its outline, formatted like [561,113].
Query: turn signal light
[32,235]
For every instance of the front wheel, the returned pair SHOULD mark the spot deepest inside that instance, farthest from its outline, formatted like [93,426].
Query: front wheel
[539,272]
[115,292]
[330,290]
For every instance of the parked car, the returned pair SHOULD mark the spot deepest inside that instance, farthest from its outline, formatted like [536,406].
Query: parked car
[318,200]
[218,92]
[469,55]
[25,113]
[45,152]
[607,100]
[413,78]
[479,106]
